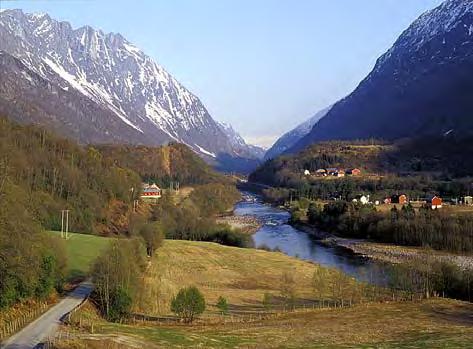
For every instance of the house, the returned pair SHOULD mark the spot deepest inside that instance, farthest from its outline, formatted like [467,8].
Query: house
[399,199]
[436,202]
[306,173]
[332,171]
[321,172]
[339,173]
[353,172]
[363,199]
[151,192]
[387,201]
[468,200]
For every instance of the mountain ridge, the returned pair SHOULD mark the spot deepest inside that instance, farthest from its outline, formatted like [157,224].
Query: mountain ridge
[117,76]
[419,87]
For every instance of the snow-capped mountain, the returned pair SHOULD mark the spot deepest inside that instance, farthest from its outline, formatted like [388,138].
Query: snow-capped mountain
[242,148]
[421,86]
[289,139]
[109,74]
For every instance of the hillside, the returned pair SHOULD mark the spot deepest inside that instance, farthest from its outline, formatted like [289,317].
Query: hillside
[243,276]
[420,87]
[368,156]
[173,162]
[54,174]
[100,88]
[92,182]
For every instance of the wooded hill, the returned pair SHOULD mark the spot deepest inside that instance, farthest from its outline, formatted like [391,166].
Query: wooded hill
[42,174]
[441,157]
[95,183]
[418,168]
[174,162]
[363,155]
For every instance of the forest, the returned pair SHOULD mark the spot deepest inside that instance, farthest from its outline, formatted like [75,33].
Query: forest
[174,162]
[402,226]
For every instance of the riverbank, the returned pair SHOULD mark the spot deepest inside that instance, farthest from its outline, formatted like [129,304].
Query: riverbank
[246,224]
[388,253]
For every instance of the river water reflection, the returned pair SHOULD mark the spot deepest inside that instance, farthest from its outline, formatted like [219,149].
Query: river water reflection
[276,233]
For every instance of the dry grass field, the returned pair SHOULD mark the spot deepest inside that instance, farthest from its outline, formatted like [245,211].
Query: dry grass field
[242,276]
[436,323]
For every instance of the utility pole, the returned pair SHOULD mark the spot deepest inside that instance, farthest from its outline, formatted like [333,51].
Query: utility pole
[64,227]
[67,224]
[62,224]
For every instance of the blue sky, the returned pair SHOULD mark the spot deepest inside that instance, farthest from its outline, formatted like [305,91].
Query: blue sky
[262,65]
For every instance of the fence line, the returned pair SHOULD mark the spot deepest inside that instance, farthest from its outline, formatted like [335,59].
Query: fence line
[12,326]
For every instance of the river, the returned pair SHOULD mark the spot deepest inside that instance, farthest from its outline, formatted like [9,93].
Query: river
[277,233]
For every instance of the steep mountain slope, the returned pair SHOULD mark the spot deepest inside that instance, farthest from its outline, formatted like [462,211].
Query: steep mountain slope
[110,90]
[421,86]
[27,97]
[289,139]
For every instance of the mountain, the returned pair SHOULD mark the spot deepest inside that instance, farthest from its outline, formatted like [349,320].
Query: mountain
[289,139]
[99,88]
[422,86]
[242,148]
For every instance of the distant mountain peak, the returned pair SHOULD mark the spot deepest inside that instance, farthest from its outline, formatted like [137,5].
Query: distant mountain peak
[289,139]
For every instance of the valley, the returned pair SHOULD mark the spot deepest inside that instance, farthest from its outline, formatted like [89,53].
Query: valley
[131,218]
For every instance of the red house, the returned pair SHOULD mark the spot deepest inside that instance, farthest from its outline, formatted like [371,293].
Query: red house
[353,172]
[436,202]
[398,199]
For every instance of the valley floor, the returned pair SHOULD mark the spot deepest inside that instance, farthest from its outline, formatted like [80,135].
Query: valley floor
[430,324]
[243,276]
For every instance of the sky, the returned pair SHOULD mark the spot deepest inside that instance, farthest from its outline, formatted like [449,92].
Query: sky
[263,66]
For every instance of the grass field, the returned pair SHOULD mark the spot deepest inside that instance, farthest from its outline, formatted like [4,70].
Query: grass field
[82,250]
[437,323]
[242,276]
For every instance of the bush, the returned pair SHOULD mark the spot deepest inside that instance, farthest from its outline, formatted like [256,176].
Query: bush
[268,301]
[222,305]
[188,304]
[120,305]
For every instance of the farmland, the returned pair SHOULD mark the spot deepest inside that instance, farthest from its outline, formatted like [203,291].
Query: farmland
[243,276]
[82,250]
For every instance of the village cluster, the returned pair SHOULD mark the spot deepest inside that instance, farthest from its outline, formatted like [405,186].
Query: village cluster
[334,172]
[435,201]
